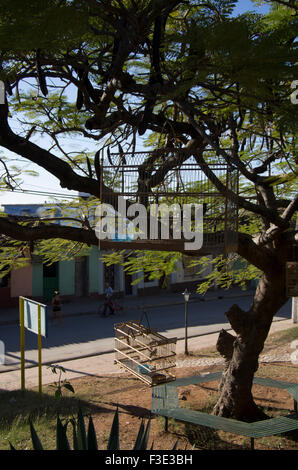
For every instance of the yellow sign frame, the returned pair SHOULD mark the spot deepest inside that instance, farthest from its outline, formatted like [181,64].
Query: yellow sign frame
[22,343]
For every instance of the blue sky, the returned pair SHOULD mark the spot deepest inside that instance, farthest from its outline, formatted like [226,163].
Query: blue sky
[247,5]
[48,183]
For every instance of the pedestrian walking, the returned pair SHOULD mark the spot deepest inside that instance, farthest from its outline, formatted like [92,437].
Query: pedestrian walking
[108,300]
[56,307]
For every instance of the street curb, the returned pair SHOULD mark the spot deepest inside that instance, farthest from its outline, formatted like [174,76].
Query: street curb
[101,353]
[139,307]
[75,358]
[110,351]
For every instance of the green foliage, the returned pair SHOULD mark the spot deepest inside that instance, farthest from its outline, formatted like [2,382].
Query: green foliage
[47,114]
[87,440]
[224,66]
[55,250]
[113,443]
[37,445]
[142,437]
[226,271]
[41,24]
[82,437]
[14,256]
[60,384]
[61,437]
[150,264]
[17,254]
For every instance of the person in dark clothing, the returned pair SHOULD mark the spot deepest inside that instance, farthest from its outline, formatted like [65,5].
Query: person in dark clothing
[56,307]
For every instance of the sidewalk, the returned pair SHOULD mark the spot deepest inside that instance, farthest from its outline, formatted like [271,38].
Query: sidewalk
[89,305]
[102,365]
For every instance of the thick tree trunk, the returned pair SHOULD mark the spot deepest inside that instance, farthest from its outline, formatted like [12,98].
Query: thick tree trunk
[242,351]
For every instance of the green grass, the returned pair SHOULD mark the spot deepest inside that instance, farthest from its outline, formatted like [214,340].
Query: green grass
[281,338]
[16,408]
[18,433]
[274,340]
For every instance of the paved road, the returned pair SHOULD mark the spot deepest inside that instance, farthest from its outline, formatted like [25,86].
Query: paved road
[88,335]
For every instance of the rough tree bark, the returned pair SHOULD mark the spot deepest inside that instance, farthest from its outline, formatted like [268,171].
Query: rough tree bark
[241,352]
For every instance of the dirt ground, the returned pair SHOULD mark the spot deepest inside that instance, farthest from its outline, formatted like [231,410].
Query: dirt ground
[100,394]
[133,399]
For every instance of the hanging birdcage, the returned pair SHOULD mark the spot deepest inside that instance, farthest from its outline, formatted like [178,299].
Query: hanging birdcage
[144,352]
[142,178]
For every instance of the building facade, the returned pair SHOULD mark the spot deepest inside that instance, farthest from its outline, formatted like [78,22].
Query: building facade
[82,276]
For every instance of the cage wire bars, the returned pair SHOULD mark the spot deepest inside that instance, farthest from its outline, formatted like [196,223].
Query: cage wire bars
[163,177]
[144,352]
[155,178]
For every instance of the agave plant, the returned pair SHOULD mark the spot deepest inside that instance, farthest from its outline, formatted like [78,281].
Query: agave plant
[86,439]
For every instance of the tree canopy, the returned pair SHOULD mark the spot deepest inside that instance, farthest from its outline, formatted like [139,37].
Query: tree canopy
[185,75]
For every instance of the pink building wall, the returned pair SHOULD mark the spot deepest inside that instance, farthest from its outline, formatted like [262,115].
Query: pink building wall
[21,281]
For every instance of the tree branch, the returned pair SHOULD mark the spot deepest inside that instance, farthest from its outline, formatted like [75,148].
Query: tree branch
[291,209]
[263,167]
[185,107]
[45,159]
[274,232]
[239,320]
[45,232]
[225,344]
[289,4]
[267,213]
[261,257]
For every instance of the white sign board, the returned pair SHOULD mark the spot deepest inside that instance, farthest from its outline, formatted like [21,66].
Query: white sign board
[2,352]
[31,317]
[2,92]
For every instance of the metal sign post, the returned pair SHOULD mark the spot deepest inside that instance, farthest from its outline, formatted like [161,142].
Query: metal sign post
[22,342]
[33,317]
[39,353]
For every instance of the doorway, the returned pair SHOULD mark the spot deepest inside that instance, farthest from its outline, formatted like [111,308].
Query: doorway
[82,276]
[128,288]
[50,280]
[109,275]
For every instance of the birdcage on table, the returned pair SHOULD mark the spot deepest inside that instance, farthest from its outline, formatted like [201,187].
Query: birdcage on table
[145,353]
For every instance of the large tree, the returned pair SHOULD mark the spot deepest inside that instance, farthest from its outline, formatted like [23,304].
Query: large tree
[187,75]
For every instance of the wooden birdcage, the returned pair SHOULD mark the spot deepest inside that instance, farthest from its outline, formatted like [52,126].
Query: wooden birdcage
[142,177]
[145,353]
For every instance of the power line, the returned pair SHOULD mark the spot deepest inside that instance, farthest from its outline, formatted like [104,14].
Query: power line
[38,193]
[37,186]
